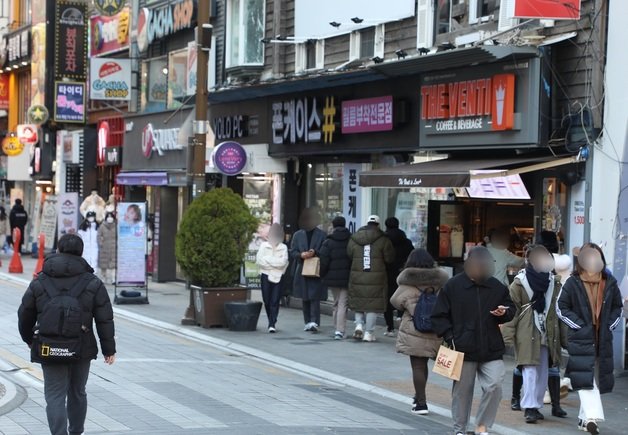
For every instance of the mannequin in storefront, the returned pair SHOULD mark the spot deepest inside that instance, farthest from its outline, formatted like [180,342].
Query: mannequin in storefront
[88,231]
[107,238]
[95,203]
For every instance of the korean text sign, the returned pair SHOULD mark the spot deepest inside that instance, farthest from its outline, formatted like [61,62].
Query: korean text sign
[351,196]
[69,102]
[367,115]
[70,39]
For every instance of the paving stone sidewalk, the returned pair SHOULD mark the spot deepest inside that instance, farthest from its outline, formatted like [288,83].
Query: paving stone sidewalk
[164,384]
[374,364]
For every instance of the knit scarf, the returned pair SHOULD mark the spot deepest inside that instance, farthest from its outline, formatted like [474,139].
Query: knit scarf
[539,283]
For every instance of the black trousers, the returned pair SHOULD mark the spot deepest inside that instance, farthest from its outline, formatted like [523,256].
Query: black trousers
[271,295]
[312,312]
[66,399]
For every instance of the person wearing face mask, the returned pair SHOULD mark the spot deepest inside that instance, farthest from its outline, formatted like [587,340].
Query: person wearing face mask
[468,312]
[107,237]
[272,259]
[535,330]
[88,231]
[590,305]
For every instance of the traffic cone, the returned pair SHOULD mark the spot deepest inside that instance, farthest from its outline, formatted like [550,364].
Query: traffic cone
[40,252]
[16,261]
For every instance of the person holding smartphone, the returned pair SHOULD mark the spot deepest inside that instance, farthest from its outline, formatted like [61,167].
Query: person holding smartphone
[468,312]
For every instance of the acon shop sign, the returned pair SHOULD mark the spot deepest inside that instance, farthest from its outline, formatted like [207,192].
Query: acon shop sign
[159,141]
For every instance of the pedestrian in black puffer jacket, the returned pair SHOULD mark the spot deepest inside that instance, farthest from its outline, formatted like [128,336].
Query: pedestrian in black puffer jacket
[335,270]
[590,305]
[64,382]
[403,246]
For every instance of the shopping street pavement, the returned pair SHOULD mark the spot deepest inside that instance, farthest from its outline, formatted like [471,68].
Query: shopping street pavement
[175,379]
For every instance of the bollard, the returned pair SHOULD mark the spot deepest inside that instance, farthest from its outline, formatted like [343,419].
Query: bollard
[40,255]
[15,266]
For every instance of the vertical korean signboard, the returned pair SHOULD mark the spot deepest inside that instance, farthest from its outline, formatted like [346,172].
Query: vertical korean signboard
[351,196]
[70,39]
[131,255]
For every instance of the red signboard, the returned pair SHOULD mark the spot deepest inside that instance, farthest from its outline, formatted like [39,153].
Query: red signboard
[4,92]
[548,9]
[103,142]
[463,106]
[110,34]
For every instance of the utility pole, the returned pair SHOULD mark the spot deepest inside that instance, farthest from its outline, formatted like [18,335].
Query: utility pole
[197,144]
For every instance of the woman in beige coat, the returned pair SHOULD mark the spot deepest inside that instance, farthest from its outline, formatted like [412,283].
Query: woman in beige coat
[419,275]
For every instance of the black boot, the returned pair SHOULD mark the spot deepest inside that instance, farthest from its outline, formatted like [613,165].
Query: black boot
[517,383]
[553,385]
[531,416]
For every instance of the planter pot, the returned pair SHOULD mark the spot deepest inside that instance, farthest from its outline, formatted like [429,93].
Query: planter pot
[243,316]
[209,304]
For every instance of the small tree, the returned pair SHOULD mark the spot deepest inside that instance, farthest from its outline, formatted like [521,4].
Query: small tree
[213,238]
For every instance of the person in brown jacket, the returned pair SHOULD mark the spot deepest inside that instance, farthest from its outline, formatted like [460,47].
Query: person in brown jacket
[419,275]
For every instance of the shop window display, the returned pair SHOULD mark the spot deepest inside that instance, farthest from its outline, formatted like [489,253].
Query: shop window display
[328,186]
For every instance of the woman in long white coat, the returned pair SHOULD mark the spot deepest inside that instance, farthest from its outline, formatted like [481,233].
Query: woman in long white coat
[88,231]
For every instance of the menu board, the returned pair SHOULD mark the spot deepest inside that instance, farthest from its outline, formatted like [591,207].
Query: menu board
[48,225]
[131,256]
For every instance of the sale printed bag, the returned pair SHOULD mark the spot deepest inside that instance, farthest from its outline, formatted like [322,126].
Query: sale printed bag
[312,267]
[449,363]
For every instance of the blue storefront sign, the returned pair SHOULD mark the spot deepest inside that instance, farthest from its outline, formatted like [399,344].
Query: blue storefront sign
[69,102]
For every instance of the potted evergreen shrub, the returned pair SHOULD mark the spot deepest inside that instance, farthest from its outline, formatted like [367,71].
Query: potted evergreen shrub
[211,243]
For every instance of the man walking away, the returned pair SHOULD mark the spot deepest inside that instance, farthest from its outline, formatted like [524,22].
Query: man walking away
[467,315]
[66,296]
[403,246]
[370,251]
[335,269]
[18,219]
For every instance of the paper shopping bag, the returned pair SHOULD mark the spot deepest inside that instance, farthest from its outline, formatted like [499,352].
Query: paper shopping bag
[449,363]
[312,267]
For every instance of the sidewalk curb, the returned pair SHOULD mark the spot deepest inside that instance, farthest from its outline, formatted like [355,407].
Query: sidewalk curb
[285,364]
[14,395]
[269,359]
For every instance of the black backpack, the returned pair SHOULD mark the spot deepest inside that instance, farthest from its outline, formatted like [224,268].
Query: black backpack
[422,317]
[59,330]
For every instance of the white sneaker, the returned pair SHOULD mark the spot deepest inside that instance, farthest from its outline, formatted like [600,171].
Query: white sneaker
[369,337]
[338,335]
[308,326]
[271,330]
[314,327]
[359,331]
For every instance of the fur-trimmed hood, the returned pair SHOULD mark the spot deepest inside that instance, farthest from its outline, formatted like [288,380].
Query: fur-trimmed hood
[415,277]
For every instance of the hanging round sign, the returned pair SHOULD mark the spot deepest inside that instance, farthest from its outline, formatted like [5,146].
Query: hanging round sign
[109,8]
[12,146]
[27,134]
[230,158]
[38,114]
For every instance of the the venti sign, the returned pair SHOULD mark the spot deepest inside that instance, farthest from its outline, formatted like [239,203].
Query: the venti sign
[159,141]
[157,23]
[482,104]
[483,107]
